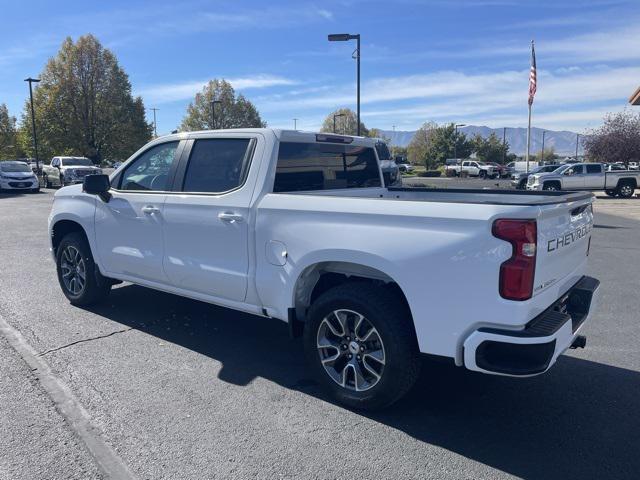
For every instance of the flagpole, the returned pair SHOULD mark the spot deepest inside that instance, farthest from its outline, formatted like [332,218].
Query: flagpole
[528,138]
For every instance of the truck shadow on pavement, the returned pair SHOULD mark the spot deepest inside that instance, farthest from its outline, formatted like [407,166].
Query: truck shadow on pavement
[580,420]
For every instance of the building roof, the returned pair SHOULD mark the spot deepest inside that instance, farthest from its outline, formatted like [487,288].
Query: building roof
[635,98]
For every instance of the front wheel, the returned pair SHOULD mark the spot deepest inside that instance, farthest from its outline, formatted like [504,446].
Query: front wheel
[77,273]
[611,193]
[361,345]
[552,187]
[483,174]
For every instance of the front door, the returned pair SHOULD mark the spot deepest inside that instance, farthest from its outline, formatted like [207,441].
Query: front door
[206,232]
[573,178]
[129,226]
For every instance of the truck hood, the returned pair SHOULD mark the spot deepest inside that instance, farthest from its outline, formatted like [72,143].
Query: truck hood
[28,174]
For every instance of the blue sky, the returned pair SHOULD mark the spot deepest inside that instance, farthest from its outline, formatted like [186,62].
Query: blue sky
[465,61]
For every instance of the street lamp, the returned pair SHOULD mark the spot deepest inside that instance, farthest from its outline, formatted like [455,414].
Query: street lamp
[155,125]
[295,124]
[213,113]
[577,139]
[335,115]
[33,120]
[542,154]
[455,144]
[343,37]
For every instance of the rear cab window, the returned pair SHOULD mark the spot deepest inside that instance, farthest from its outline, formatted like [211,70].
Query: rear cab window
[325,166]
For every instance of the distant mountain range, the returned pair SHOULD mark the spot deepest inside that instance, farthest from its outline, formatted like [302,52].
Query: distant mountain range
[563,141]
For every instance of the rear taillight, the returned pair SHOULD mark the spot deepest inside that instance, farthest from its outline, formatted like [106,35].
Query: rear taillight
[516,274]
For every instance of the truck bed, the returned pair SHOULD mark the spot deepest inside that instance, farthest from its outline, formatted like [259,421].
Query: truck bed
[472,196]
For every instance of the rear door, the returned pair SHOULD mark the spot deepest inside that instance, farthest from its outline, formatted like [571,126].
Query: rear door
[594,177]
[207,221]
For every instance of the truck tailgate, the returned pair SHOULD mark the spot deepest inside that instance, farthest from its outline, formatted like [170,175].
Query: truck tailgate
[564,235]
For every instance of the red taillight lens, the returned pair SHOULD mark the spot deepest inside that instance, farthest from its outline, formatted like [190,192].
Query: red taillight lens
[516,274]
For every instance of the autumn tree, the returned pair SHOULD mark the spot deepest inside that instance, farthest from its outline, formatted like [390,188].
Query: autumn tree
[617,140]
[8,134]
[489,149]
[346,123]
[231,111]
[433,144]
[419,148]
[84,105]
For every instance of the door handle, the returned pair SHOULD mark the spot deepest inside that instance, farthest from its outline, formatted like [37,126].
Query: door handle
[150,209]
[230,217]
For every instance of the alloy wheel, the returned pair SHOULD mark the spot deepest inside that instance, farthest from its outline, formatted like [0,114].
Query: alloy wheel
[74,272]
[351,350]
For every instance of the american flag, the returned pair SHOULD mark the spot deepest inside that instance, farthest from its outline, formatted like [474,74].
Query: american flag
[533,77]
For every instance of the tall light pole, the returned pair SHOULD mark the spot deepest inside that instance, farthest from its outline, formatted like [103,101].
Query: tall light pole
[33,119]
[155,124]
[542,154]
[504,145]
[343,37]
[455,145]
[577,139]
[213,113]
[393,147]
[336,115]
[295,124]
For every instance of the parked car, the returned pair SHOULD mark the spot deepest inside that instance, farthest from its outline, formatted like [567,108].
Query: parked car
[474,168]
[633,166]
[404,165]
[519,180]
[586,176]
[298,227]
[615,167]
[17,176]
[67,171]
[390,171]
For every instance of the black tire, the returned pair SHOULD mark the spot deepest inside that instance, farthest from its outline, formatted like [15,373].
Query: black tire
[482,174]
[611,193]
[551,186]
[95,286]
[389,316]
[625,189]
[522,185]
[35,190]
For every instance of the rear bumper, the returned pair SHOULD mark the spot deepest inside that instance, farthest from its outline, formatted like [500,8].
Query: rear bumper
[534,349]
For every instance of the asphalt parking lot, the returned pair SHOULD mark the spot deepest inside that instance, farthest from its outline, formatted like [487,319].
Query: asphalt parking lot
[181,389]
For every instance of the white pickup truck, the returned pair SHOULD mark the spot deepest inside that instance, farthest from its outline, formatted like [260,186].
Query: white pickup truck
[587,176]
[474,168]
[297,226]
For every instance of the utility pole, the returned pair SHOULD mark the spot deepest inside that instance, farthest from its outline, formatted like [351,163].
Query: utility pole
[504,145]
[295,124]
[33,120]
[542,154]
[577,139]
[393,147]
[155,124]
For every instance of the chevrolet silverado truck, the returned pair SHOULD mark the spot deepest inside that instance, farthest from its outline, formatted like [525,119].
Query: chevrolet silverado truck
[63,171]
[298,226]
[586,176]
[473,168]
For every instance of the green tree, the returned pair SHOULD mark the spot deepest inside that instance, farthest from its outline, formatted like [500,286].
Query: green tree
[437,143]
[420,146]
[84,106]
[346,123]
[617,140]
[232,111]
[489,149]
[549,155]
[377,133]
[8,134]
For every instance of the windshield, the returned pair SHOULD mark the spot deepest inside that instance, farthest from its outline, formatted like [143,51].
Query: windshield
[70,162]
[563,168]
[383,151]
[14,167]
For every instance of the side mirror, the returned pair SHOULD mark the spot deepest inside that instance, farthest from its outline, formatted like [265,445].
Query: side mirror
[97,185]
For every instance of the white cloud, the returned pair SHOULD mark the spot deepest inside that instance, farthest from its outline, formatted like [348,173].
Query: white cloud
[172,92]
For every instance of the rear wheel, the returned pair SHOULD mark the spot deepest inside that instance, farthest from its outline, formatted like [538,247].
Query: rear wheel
[77,275]
[360,344]
[625,190]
